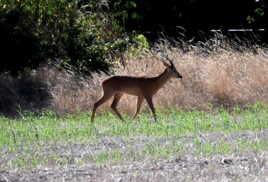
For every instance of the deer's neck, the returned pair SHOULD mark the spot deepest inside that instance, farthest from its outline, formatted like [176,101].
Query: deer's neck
[162,79]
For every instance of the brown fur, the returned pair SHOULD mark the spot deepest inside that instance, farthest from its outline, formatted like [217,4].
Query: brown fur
[142,87]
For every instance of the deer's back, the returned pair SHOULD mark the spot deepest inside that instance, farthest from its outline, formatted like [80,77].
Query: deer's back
[127,84]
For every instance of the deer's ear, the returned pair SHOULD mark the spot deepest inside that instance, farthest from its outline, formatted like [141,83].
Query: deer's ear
[166,64]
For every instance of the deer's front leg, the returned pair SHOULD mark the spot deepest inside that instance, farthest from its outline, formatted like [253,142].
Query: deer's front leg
[149,100]
[139,102]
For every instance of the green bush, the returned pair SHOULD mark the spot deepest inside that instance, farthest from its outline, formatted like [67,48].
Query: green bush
[80,35]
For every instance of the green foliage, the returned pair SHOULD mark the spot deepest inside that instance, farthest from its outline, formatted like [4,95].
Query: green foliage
[81,35]
[125,11]
[258,14]
[139,44]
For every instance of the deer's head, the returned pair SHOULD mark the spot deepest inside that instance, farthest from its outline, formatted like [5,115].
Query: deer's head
[171,68]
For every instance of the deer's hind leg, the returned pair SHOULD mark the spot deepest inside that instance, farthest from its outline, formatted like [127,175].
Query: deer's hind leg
[106,96]
[117,97]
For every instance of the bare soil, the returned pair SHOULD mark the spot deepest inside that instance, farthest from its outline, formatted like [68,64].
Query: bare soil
[250,165]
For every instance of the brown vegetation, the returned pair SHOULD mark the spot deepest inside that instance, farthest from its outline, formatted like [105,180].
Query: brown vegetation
[223,77]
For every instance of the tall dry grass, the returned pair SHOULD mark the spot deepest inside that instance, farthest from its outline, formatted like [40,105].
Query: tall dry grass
[214,75]
[217,77]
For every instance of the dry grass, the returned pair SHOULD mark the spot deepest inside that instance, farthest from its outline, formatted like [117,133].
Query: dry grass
[214,74]
[223,77]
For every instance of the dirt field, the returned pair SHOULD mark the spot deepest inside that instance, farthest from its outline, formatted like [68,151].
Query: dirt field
[220,78]
[250,165]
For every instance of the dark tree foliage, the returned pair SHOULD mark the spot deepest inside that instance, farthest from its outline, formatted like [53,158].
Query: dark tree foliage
[88,35]
[190,17]
[20,48]
[78,35]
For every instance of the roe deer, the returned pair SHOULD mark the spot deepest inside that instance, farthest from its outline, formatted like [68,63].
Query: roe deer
[142,87]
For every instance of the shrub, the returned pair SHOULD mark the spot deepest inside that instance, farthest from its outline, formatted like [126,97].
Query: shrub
[79,35]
